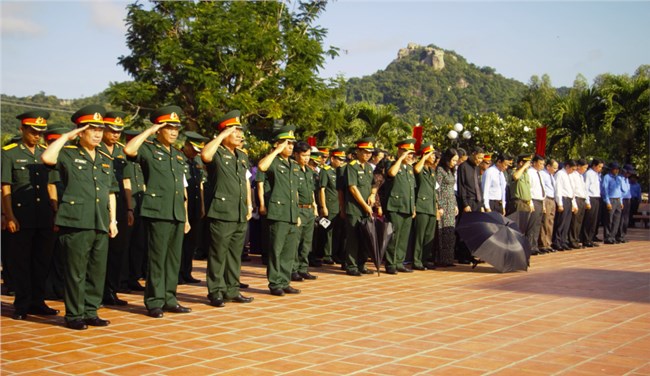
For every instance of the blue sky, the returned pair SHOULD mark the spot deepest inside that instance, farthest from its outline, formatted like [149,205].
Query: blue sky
[70,49]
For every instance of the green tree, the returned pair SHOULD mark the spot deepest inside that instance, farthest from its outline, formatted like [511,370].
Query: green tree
[210,57]
[380,122]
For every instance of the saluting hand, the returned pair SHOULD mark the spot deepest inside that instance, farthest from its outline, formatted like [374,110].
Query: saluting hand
[70,136]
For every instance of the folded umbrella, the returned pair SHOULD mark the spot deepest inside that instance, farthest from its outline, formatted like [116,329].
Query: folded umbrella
[377,233]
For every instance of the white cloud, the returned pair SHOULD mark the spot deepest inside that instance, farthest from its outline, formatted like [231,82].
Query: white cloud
[16,21]
[108,15]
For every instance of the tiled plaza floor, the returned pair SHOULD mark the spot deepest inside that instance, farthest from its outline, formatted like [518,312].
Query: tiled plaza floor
[584,312]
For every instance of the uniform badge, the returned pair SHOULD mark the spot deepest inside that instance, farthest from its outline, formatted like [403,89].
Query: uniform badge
[105,165]
[80,161]
[40,120]
[173,116]
[97,116]
[21,160]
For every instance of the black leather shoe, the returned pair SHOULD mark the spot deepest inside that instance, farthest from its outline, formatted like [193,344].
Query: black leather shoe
[240,299]
[354,273]
[136,286]
[277,292]
[113,300]
[588,245]
[178,309]
[391,271]
[597,239]
[328,262]
[404,269]
[290,290]
[155,313]
[610,242]
[78,324]
[217,302]
[430,265]
[243,285]
[190,279]
[96,321]
[43,310]
[316,263]
[295,277]
[622,241]
[306,275]
[418,267]
[366,271]
[19,316]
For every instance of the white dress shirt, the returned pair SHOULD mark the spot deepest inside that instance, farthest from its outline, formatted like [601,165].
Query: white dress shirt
[563,188]
[493,184]
[579,187]
[592,181]
[536,190]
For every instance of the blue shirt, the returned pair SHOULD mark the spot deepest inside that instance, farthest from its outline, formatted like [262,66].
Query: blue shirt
[625,186]
[611,188]
[635,190]
[549,183]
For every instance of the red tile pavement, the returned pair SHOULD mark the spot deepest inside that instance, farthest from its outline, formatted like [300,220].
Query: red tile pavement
[583,312]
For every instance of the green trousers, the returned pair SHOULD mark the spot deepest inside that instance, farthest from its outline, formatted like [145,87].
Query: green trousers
[356,254]
[305,238]
[164,244]
[425,230]
[396,251]
[224,258]
[283,239]
[85,253]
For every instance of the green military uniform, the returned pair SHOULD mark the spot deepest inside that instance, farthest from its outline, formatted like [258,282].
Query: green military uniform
[83,219]
[137,241]
[306,188]
[29,250]
[360,176]
[282,215]
[163,213]
[227,215]
[119,245]
[426,206]
[400,206]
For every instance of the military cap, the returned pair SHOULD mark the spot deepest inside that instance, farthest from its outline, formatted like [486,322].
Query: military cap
[167,115]
[115,120]
[406,144]
[426,147]
[338,153]
[92,115]
[196,140]
[36,119]
[325,150]
[315,154]
[54,133]
[284,133]
[487,158]
[231,119]
[523,158]
[366,143]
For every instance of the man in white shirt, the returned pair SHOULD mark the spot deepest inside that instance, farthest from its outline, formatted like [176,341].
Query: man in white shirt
[590,224]
[493,184]
[548,218]
[537,194]
[582,202]
[566,204]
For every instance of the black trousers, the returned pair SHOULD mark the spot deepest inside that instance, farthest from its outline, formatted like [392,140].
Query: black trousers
[191,242]
[576,222]
[118,258]
[612,220]
[496,206]
[590,223]
[535,224]
[562,224]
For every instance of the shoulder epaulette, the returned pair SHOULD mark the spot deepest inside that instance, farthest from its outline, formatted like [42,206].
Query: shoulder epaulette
[105,154]
[70,146]
[327,167]
[353,162]
[9,147]
[41,146]
[121,144]
[148,142]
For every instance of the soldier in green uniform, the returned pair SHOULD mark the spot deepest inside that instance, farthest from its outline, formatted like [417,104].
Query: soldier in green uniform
[281,172]
[426,206]
[86,215]
[306,211]
[164,209]
[27,217]
[134,191]
[400,205]
[118,246]
[330,206]
[230,209]
[359,199]
[195,175]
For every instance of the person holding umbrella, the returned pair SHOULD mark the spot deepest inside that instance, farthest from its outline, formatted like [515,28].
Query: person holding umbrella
[426,206]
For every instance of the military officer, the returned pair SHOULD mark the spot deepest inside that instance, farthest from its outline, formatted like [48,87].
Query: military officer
[118,246]
[27,217]
[329,204]
[359,199]
[195,175]
[164,209]
[86,215]
[426,206]
[400,205]
[281,173]
[230,209]
[307,212]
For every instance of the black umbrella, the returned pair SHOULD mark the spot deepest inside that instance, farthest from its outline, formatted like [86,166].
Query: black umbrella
[377,233]
[495,239]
